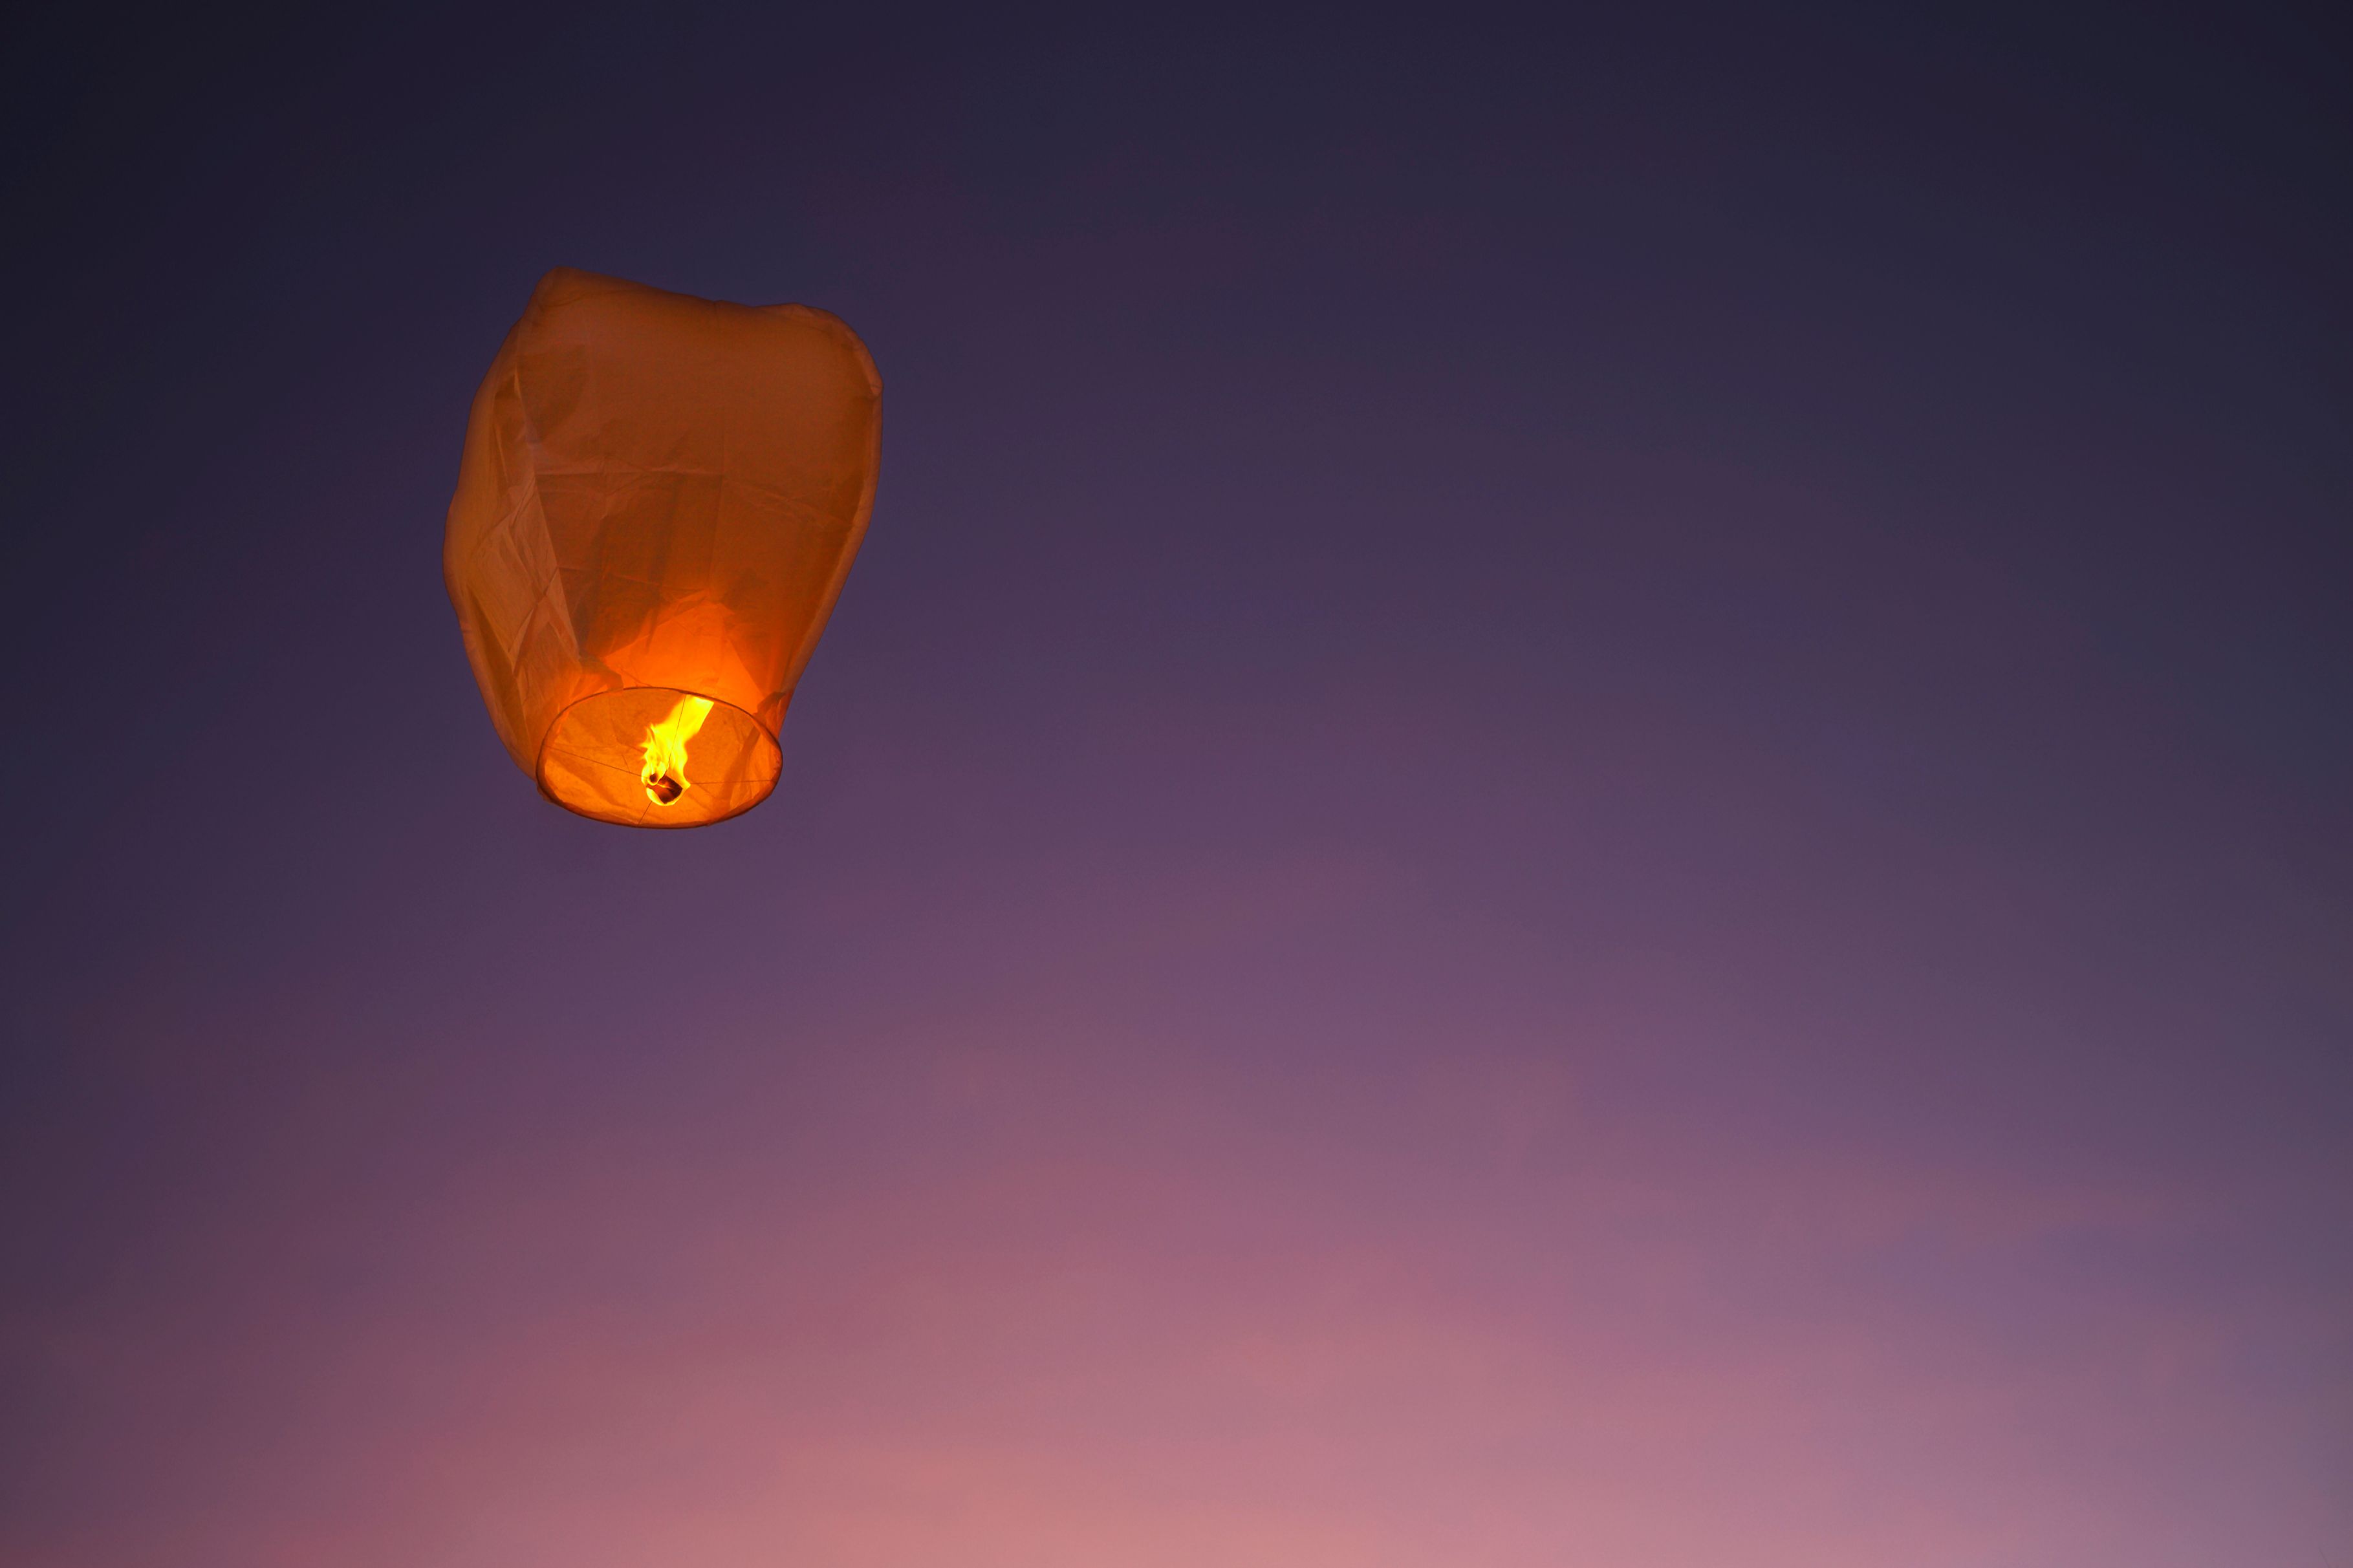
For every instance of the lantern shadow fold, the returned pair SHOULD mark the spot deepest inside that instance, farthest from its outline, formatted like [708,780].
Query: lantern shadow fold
[658,500]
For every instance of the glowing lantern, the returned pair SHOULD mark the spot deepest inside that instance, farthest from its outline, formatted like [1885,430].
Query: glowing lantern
[658,500]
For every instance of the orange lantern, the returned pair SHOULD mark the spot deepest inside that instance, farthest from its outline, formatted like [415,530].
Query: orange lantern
[658,500]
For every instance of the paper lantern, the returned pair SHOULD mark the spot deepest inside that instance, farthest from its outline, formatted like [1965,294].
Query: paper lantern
[658,500]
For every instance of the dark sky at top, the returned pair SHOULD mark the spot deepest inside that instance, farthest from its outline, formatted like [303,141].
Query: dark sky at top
[1586,799]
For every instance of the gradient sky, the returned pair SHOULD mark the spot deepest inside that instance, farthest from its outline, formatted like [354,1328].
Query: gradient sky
[1585,802]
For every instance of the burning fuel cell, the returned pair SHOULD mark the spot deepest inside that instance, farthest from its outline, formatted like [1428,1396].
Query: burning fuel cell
[664,775]
[658,500]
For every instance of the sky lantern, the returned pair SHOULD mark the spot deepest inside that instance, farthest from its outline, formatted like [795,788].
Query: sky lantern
[658,500]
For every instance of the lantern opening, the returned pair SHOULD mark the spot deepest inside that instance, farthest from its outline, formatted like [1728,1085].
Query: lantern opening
[651,756]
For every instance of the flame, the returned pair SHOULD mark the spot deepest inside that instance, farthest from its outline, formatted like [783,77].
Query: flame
[664,768]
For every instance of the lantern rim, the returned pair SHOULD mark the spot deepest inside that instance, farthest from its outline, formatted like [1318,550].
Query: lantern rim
[747,789]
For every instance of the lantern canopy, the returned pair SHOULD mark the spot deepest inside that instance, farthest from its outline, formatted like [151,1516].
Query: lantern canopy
[658,500]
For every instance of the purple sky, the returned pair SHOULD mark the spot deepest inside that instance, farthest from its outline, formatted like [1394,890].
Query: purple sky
[1585,801]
